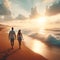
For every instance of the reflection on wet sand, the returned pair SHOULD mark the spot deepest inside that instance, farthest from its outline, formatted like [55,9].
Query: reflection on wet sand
[35,45]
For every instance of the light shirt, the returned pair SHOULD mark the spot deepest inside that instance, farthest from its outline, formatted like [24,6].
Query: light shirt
[12,34]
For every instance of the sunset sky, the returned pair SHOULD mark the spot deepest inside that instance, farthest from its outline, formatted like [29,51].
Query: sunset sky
[50,7]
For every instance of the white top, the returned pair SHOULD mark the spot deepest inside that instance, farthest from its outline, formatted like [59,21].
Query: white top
[12,34]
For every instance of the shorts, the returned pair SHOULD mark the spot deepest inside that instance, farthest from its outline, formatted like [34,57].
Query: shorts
[19,38]
[12,40]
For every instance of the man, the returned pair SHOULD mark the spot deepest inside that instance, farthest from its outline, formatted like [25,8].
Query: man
[12,36]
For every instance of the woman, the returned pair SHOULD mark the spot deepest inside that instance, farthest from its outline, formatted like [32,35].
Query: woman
[19,37]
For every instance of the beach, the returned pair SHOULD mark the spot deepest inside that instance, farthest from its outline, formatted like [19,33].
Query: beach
[6,53]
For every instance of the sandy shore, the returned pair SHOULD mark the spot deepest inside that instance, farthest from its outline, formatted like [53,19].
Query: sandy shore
[6,53]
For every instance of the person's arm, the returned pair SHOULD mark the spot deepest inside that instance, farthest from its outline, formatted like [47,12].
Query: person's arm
[14,35]
[22,36]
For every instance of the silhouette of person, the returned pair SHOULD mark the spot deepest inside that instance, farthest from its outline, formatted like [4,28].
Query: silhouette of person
[19,38]
[12,36]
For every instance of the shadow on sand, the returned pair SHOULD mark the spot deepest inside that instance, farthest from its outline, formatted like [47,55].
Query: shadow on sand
[5,54]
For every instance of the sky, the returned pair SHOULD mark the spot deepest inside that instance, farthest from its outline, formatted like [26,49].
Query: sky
[50,7]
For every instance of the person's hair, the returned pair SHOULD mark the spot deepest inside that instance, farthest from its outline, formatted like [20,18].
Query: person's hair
[12,28]
[19,32]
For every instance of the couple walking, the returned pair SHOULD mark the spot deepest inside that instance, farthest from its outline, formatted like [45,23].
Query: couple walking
[12,37]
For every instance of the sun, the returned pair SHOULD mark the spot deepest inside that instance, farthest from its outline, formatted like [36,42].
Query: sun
[41,20]
[41,24]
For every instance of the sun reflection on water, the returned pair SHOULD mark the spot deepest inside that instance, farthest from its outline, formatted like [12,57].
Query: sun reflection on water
[38,47]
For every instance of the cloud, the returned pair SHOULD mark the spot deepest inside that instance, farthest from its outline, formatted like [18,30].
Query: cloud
[17,8]
[24,6]
[4,7]
[48,1]
[7,3]
[53,9]
[4,10]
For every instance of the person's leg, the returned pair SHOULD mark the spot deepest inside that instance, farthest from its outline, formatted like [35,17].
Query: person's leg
[12,43]
[19,43]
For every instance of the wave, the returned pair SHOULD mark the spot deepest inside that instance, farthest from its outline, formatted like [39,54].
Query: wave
[53,40]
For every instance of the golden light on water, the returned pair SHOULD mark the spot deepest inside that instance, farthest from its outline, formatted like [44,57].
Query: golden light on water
[38,47]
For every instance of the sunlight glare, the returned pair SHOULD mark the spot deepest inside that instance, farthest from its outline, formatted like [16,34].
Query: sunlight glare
[41,24]
[41,21]
[37,46]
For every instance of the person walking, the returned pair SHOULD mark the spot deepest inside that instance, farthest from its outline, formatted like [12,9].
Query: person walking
[19,38]
[12,37]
